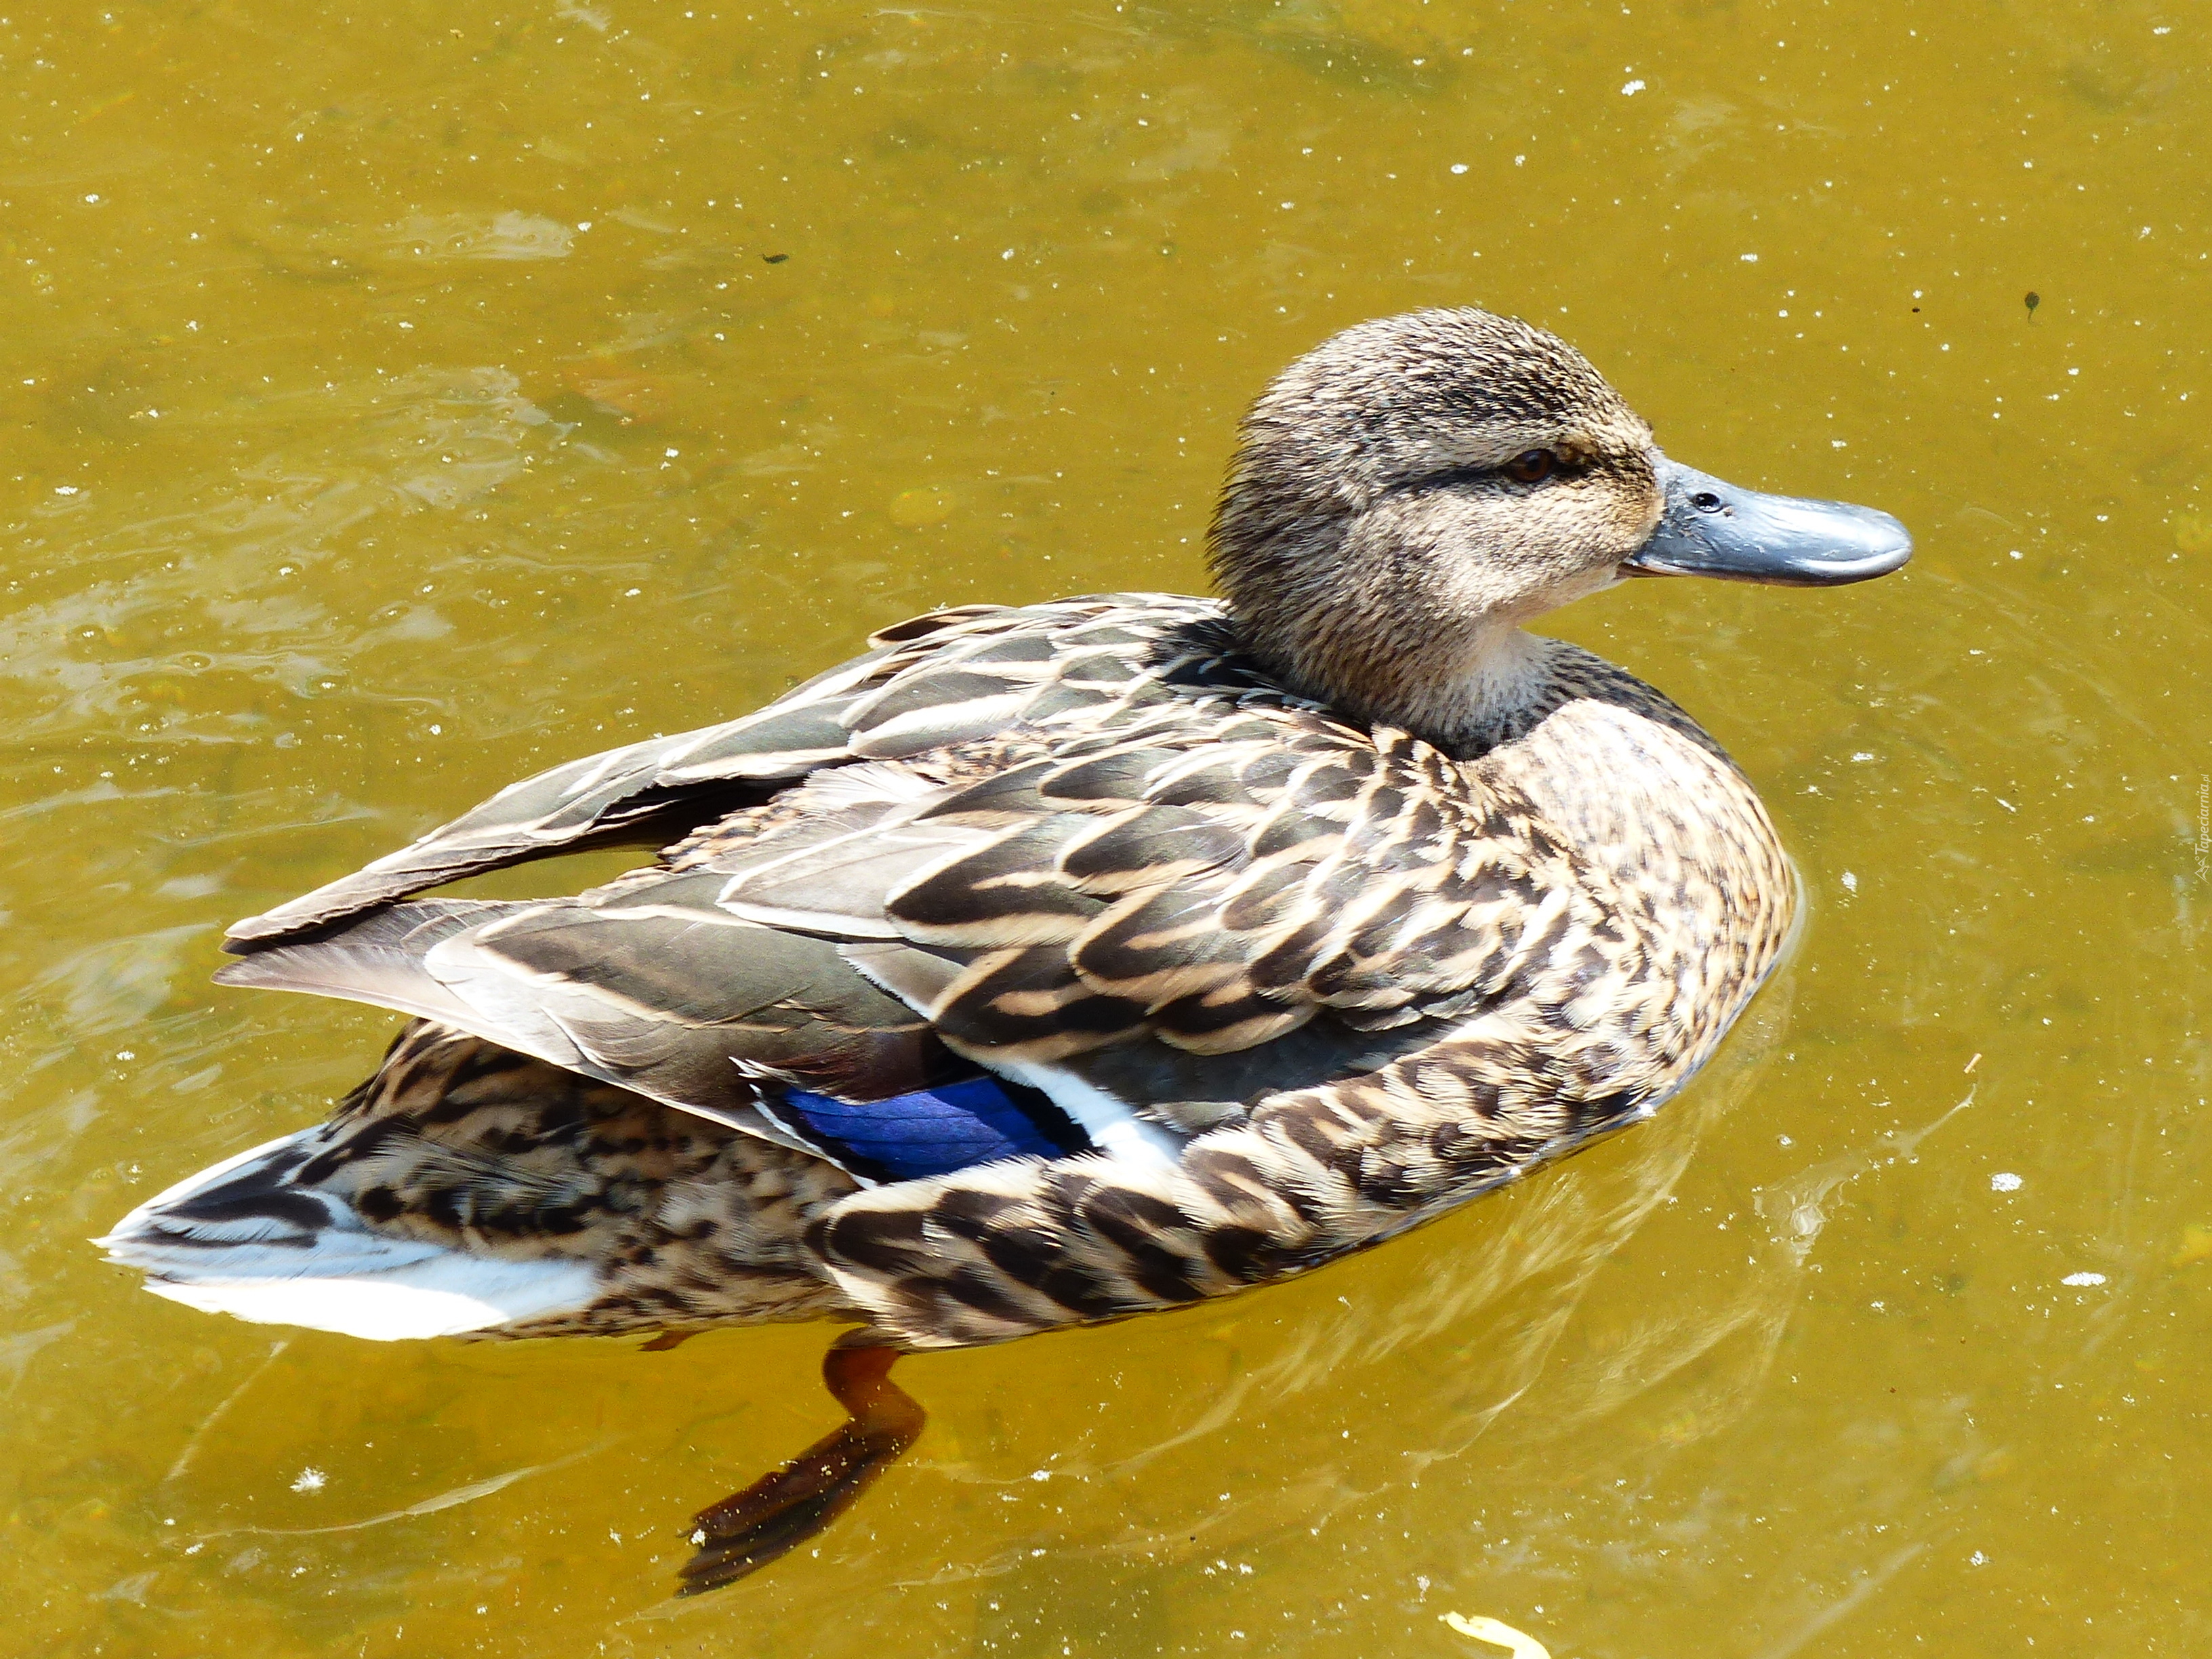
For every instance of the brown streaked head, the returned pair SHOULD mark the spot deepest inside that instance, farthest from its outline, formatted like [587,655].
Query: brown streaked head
[1409,493]
[1411,488]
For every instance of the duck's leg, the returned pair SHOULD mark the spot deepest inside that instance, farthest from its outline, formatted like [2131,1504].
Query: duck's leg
[779,1511]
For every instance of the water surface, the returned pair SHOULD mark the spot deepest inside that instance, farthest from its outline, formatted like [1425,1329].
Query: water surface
[399,400]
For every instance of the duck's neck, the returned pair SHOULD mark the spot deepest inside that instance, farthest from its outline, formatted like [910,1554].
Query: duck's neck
[1506,673]
[1387,617]
[1457,687]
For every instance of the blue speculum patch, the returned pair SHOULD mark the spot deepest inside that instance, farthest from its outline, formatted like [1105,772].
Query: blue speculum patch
[931,1132]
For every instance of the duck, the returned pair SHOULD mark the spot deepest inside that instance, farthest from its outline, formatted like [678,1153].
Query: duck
[1050,964]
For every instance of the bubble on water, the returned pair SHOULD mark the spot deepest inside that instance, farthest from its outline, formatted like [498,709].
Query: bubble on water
[2004,1183]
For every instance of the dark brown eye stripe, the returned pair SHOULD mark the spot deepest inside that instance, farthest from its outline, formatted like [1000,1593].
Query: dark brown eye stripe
[1530,467]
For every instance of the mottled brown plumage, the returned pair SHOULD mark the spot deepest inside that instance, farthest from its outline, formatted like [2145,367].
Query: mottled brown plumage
[463,1144]
[1056,962]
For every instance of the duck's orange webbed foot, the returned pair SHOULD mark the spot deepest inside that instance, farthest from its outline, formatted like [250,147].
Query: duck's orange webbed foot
[779,1511]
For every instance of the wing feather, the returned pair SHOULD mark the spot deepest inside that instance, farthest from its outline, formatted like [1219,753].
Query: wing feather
[1082,842]
[956,676]
[689,1009]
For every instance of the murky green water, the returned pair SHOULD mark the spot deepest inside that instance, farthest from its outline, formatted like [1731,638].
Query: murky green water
[403,398]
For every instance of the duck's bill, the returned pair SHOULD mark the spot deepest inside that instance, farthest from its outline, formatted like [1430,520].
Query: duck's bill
[1710,528]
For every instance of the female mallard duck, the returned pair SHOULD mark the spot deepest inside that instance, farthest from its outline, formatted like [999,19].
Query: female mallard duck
[1054,962]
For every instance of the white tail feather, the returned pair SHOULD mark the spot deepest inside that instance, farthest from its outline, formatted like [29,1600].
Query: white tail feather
[444,1297]
[242,1238]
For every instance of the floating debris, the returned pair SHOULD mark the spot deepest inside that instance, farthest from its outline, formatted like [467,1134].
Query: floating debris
[1497,1633]
[2004,1183]
[2082,1280]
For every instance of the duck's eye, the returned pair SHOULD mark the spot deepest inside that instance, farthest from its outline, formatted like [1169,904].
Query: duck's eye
[1532,466]
[1705,502]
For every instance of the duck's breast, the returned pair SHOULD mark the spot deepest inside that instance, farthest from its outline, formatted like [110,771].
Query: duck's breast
[1683,853]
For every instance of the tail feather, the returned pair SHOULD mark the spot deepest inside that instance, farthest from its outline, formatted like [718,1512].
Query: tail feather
[246,1237]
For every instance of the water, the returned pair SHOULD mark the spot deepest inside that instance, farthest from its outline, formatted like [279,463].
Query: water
[401,400]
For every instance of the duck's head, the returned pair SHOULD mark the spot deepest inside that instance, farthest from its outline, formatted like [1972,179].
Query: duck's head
[1408,494]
